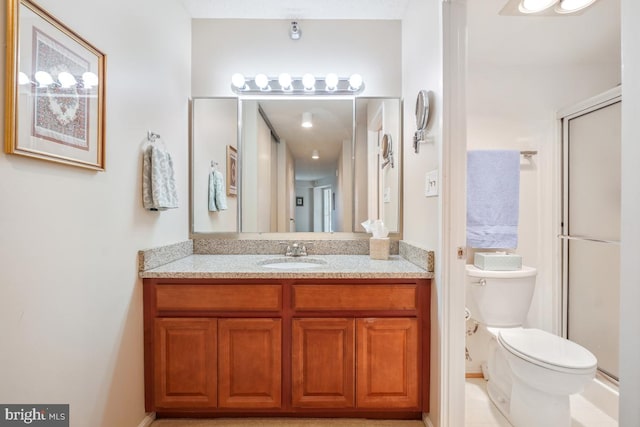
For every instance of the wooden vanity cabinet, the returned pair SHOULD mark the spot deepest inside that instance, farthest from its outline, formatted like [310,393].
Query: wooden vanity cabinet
[388,371]
[323,363]
[312,347]
[185,363]
[249,363]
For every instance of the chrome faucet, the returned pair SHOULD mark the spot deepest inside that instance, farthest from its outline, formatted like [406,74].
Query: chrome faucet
[296,249]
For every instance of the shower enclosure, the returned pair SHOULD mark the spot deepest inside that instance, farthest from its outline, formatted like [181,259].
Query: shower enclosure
[591,228]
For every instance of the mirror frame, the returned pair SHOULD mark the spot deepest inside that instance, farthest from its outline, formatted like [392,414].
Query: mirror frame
[307,236]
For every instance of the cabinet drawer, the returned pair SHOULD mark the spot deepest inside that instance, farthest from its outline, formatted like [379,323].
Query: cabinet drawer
[354,297]
[219,297]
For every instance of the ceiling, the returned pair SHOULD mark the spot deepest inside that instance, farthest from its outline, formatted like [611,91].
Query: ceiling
[592,37]
[296,9]
[332,124]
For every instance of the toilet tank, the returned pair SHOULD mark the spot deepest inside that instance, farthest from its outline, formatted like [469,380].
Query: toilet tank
[500,298]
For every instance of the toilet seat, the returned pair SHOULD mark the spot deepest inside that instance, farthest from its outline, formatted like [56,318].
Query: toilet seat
[547,350]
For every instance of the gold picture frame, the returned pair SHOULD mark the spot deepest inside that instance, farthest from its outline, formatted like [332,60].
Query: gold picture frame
[232,171]
[55,90]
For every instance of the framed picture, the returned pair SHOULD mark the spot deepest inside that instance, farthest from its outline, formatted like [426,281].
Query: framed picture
[55,90]
[299,201]
[232,171]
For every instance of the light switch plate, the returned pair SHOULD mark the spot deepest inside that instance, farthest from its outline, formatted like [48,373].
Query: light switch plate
[387,195]
[431,184]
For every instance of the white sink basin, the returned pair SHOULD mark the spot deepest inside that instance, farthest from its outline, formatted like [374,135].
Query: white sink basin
[292,263]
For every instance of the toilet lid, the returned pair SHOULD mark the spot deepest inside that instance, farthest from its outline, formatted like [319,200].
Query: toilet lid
[543,348]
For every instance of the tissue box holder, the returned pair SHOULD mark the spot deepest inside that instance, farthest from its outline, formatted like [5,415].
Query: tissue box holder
[379,248]
[497,262]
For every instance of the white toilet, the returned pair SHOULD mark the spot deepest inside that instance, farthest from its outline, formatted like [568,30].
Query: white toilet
[531,373]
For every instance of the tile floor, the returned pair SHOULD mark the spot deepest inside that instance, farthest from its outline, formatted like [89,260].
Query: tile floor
[480,412]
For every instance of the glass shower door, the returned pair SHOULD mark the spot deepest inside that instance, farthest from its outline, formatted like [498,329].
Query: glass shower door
[591,231]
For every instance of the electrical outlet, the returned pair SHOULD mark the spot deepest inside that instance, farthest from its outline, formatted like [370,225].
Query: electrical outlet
[431,184]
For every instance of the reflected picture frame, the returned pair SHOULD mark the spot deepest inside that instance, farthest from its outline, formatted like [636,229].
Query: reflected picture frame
[54,90]
[232,171]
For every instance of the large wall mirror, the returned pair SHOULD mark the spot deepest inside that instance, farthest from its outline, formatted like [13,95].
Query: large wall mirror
[292,165]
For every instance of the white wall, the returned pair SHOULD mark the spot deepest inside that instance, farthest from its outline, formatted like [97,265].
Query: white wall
[71,300]
[422,69]
[224,47]
[422,64]
[216,129]
[342,211]
[264,177]
[256,152]
[304,213]
[390,185]
[361,175]
[630,241]
[286,188]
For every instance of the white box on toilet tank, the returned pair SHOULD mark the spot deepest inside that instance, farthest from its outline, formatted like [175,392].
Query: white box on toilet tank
[497,261]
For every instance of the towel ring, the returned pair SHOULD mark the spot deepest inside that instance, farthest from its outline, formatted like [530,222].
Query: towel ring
[152,136]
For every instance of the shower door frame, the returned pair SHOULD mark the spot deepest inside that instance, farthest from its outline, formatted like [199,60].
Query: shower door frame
[590,105]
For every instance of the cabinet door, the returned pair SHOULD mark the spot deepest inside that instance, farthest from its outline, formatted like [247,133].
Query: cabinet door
[185,363]
[249,370]
[323,363]
[387,363]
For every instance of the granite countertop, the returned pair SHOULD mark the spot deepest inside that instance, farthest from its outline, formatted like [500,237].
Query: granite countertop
[249,267]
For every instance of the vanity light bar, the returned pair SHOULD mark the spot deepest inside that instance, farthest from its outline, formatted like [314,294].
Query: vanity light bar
[305,85]
[66,80]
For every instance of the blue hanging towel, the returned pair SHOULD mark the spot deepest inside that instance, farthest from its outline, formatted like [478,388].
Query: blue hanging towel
[493,198]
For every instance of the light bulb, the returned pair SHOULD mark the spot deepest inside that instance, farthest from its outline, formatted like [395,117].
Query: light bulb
[238,80]
[355,81]
[533,6]
[285,81]
[66,79]
[315,155]
[23,79]
[309,82]
[89,80]
[306,120]
[570,6]
[331,81]
[262,81]
[43,78]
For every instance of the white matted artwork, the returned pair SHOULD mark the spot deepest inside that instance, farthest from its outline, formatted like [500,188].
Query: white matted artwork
[57,84]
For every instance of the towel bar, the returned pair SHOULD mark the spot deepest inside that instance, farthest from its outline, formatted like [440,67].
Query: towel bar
[528,153]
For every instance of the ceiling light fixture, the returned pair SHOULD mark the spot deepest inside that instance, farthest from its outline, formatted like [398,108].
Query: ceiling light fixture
[294,31]
[315,155]
[571,6]
[545,7]
[285,84]
[306,120]
[535,6]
